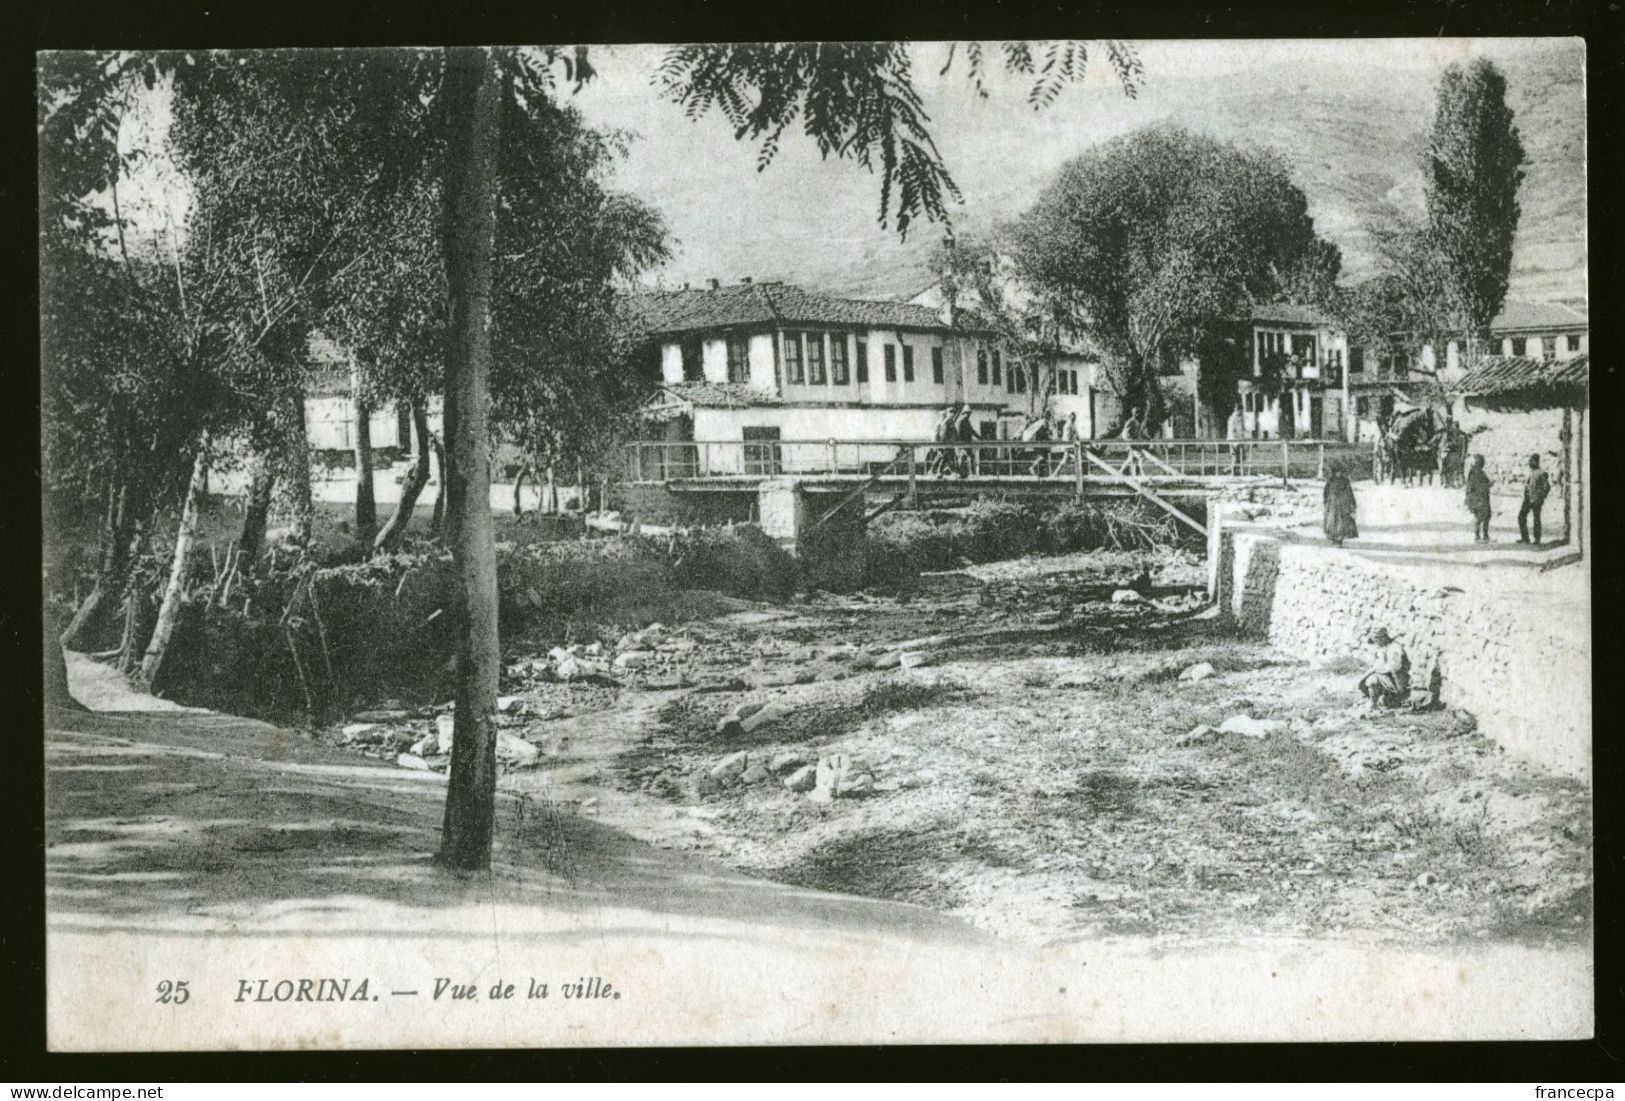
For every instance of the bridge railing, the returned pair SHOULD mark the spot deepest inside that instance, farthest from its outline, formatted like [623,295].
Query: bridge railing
[1014,460]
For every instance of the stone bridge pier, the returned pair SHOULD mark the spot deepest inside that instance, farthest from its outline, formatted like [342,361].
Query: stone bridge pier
[823,529]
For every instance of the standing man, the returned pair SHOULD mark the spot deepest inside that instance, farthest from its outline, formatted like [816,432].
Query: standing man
[1478,500]
[1236,430]
[1534,496]
[965,432]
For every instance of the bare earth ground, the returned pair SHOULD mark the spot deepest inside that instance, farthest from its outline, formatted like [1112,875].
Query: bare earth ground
[1031,778]
[1347,878]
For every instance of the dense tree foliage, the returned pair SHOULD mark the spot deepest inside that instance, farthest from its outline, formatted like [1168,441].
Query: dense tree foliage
[1149,241]
[1473,168]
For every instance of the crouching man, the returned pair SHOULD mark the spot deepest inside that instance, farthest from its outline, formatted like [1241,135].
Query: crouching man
[1388,683]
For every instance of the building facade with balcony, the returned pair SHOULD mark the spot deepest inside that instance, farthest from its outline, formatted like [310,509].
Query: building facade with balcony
[1299,362]
[757,363]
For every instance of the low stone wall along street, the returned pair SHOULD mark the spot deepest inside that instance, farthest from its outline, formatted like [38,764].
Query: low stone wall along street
[1511,644]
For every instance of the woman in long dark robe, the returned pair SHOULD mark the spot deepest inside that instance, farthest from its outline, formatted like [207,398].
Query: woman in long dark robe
[1339,509]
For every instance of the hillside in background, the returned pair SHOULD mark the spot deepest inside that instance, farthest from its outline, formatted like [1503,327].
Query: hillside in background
[1350,126]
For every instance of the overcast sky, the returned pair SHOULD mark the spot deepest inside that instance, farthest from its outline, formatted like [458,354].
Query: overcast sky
[731,221]
[815,220]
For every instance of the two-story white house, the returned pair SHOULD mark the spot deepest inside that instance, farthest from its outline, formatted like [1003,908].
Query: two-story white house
[762,362]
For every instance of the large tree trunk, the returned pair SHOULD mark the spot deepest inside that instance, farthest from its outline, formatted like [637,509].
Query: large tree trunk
[472,92]
[296,467]
[169,612]
[395,530]
[366,505]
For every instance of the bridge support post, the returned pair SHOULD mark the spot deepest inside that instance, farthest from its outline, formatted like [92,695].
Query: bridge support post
[1077,473]
[830,547]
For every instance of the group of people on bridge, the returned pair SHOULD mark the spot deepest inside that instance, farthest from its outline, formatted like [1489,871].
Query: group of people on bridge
[954,426]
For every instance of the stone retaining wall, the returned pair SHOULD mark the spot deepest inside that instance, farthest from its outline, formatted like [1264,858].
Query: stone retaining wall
[1517,661]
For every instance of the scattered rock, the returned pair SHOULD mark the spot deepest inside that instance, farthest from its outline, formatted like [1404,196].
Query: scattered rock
[516,751]
[755,774]
[1202,670]
[730,766]
[831,774]
[573,668]
[803,779]
[862,661]
[889,660]
[635,659]
[789,759]
[1426,879]
[1195,734]
[857,786]
[358,730]
[382,715]
[506,704]
[1127,596]
[913,659]
[412,761]
[1250,727]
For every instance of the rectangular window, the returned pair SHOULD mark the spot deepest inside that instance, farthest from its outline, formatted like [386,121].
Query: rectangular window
[989,431]
[936,366]
[1356,360]
[738,359]
[1519,345]
[863,361]
[1019,373]
[1574,342]
[1548,347]
[998,366]
[908,363]
[815,358]
[890,352]
[837,358]
[792,357]
[762,455]
[981,366]
[693,361]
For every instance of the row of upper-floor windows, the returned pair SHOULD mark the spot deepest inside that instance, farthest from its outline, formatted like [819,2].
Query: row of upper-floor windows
[812,358]
[839,359]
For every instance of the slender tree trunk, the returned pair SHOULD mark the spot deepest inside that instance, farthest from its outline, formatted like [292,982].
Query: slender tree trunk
[131,593]
[473,95]
[256,507]
[518,485]
[395,530]
[110,572]
[438,519]
[174,593]
[296,467]
[366,505]
[58,696]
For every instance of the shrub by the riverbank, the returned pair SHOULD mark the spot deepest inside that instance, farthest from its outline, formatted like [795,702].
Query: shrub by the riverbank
[902,544]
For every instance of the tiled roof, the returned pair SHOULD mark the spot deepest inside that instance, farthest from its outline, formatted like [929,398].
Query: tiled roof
[1537,315]
[1287,313]
[1497,376]
[751,304]
[717,395]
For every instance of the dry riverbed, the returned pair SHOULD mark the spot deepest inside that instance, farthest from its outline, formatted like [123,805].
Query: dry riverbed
[1042,772]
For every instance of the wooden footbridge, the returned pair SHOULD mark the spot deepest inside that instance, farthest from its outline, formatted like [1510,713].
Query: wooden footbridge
[886,474]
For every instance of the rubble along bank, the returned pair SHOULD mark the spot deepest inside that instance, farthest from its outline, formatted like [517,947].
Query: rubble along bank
[1055,770]
[317,643]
